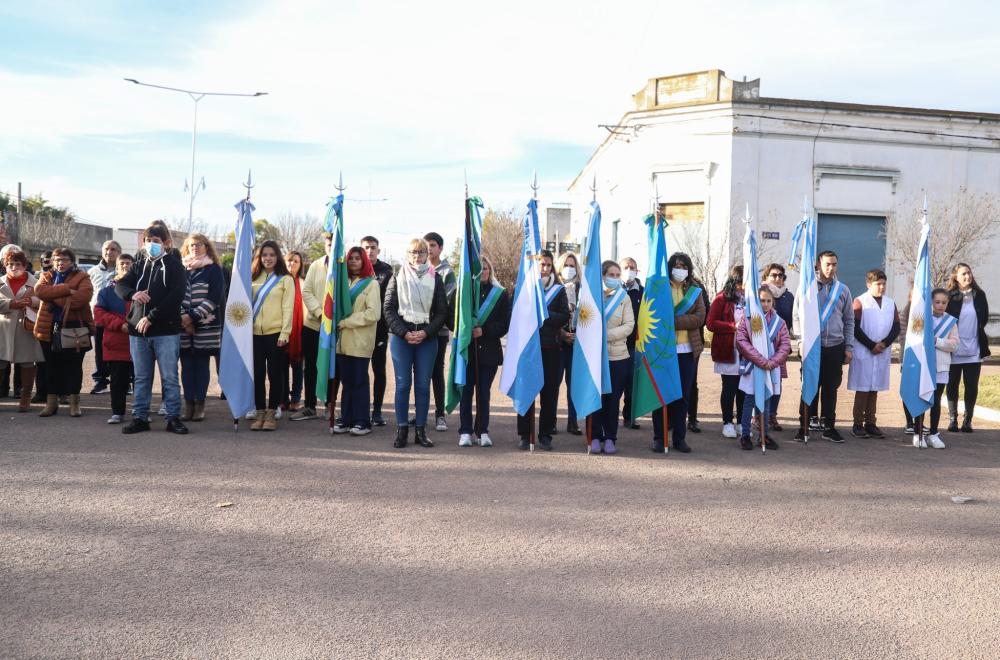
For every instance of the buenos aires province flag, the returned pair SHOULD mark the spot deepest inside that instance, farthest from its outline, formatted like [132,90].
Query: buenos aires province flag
[236,357]
[919,358]
[591,374]
[522,375]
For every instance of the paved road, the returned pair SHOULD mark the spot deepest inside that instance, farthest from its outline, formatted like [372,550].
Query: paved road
[344,547]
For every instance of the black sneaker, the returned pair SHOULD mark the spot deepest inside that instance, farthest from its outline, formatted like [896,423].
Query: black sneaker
[100,387]
[546,442]
[770,443]
[175,425]
[833,435]
[908,430]
[953,427]
[136,426]
[799,436]
[524,445]
[657,447]
[693,426]
[875,431]
[815,424]
[634,425]
[682,447]
[745,443]
[859,431]
[377,419]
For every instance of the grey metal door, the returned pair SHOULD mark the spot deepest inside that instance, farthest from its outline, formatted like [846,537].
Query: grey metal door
[858,240]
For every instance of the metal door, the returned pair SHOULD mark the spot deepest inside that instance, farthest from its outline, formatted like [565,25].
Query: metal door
[858,240]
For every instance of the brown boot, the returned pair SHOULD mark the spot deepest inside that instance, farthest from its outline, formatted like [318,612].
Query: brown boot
[199,412]
[51,406]
[270,423]
[188,413]
[74,405]
[258,421]
[27,380]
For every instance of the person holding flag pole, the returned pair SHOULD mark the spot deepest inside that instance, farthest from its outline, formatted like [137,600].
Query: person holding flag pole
[619,322]
[807,312]
[236,358]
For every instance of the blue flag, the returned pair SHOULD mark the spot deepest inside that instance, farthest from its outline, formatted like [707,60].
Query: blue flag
[236,358]
[522,375]
[919,357]
[591,374]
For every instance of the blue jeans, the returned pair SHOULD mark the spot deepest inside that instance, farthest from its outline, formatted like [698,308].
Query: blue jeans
[749,409]
[196,372]
[605,420]
[146,351]
[413,365]
[469,392]
[676,411]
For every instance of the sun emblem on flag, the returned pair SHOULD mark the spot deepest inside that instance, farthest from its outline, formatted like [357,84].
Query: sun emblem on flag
[238,313]
[917,324]
[756,324]
[647,325]
[586,314]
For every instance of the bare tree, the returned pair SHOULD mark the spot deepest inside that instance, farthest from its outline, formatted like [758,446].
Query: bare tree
[962,228]
[299,233]
[503,238]
[43,231]
[706,255]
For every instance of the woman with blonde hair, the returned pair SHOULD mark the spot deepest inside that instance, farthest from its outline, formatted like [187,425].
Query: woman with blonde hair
[201,321]
[568,268]
[415,309]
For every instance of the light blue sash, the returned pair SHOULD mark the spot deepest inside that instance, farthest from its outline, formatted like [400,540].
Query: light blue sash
[612,304]
[551,293]
[489,302]
[258,299]
[831,302]
[944,325]
[687,302]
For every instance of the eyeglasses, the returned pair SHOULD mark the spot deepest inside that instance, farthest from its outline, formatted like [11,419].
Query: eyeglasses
[421,253]
[777,276]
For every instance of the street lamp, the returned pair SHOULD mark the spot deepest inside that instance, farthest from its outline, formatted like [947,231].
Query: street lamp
[195,96]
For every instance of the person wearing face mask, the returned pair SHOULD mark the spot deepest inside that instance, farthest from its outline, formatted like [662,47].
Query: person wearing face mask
[548,335]
[724,317]
[775,278]
[415,310]
[18,308]
[619,322]
[966,302]
[65,292]
[689,317]
[633,287]
[155,286]
[569,272]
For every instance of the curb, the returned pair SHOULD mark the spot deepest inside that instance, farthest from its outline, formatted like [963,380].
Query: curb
[988,414]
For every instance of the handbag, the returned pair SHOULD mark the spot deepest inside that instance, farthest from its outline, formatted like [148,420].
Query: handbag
[71,339]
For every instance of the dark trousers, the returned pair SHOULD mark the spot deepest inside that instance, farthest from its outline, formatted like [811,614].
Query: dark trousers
[437,376]
[627,405]
[64,370]
[549,395]
[831,373]
[272,362]
[566,351]
[968,374]
[196,372]
[676,411]
[480,391]
[293,386]
[731,397]
[310,353]
[41,380]
[352,372]
[378,373]
[692,414]
[101,372]
[121,376]
[5,380]
[605,420]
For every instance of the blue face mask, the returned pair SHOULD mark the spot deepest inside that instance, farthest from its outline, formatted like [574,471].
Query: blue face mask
[612,283]
[154,250]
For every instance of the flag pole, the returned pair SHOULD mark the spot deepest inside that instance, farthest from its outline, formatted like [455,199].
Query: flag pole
[248,185]
[656,222]
[590,421]
[475,340]
[531,409]
[803,409]
[332,396]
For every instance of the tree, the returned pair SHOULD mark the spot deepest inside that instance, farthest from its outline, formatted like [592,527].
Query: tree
[706,255]
[962,229]
[503,238]
[299,233]
[42,230]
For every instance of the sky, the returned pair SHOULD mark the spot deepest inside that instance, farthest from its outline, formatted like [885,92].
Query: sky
[407,99]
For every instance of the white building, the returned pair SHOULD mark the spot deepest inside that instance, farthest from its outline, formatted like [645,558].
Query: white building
[711,146]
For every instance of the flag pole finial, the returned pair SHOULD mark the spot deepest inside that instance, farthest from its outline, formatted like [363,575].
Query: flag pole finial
[925,209]
[465,174]
[340,183]
[593,188]
[249,184]
[746,217]
[805,205]
[534,184]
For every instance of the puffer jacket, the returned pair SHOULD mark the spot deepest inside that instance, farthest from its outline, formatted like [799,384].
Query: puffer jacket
[110,313]
[782,346]
[722,324]
[619,328]
[73,296]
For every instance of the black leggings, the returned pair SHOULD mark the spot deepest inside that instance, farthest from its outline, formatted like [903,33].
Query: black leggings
[378,372]
[437,376]
[730,397]
[969,374]
[271,361]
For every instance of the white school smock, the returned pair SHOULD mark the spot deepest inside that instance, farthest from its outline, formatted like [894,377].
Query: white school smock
[869,372]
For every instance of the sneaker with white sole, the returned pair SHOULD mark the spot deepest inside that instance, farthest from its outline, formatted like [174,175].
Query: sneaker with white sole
[250,415]
[442,424]
[739,430]
[163,410]
[339,427]
[934,440]
[919,442]
[115,419]
[357,429]
[278,413]
[484,441]
[729,431]
[303,415]
[465,440]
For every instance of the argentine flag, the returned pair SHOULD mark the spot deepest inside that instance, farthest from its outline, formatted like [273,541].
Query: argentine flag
[919,357]
[236,359]
[522,376]
[591,374]
[763,386]
[807,311]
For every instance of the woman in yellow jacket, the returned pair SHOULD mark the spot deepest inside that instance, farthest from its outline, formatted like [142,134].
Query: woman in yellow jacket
[355,344]
[273,305]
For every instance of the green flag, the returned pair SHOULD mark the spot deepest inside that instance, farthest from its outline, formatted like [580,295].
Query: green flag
[336,299]
[466,303]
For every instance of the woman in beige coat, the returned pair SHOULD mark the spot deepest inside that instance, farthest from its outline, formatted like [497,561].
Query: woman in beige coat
[18,309]
[619,321]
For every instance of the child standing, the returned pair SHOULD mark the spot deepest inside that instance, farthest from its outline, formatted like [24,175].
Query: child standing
[111,313]
[777,333]
[876,326]
[946,340]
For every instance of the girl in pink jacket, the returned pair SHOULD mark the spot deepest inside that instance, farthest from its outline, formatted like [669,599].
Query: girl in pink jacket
[750,357]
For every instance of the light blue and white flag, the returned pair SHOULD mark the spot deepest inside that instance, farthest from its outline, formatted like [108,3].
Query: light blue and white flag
[919,358]
[236,359]
[763,380]
[591,375]
[522,376]
[807,309]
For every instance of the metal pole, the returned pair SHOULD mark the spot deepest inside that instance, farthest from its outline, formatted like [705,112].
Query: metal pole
[19,202]
[194,149]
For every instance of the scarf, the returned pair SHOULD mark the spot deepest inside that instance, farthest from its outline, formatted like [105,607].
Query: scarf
[416,292]
[16,284]
[192,262]
[776,291]
[548,281]
[295,338]
[59,278]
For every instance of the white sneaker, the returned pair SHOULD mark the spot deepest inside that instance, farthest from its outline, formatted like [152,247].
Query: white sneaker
[277,413]
[935,441]
[729,431]
[163,410]
[251,415]
[465,440]
[115,419]
[484,440]
[442,424]
[919,442]
[360,430]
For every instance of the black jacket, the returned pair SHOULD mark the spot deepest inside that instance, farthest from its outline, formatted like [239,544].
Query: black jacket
[982,307]
[558,317]
[383,273]
[166,281]
[490,353]
[399,327]
[635,297]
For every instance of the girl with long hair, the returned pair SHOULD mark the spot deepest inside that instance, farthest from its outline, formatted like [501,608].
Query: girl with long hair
[273,306]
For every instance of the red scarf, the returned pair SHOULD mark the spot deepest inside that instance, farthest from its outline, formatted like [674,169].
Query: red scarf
[295,339]
[15,285]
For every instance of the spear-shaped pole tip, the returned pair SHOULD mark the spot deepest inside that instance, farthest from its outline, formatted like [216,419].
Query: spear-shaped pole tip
[805,204]
[465,175]
[593,188]
[746,218]
[534,184]
[249,184]
[340,183]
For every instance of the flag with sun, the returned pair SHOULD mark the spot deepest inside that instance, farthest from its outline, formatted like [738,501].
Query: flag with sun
[656,380]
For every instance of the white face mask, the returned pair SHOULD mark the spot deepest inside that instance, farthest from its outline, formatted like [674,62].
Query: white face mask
[568,273]
[679,274]
[628,275]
